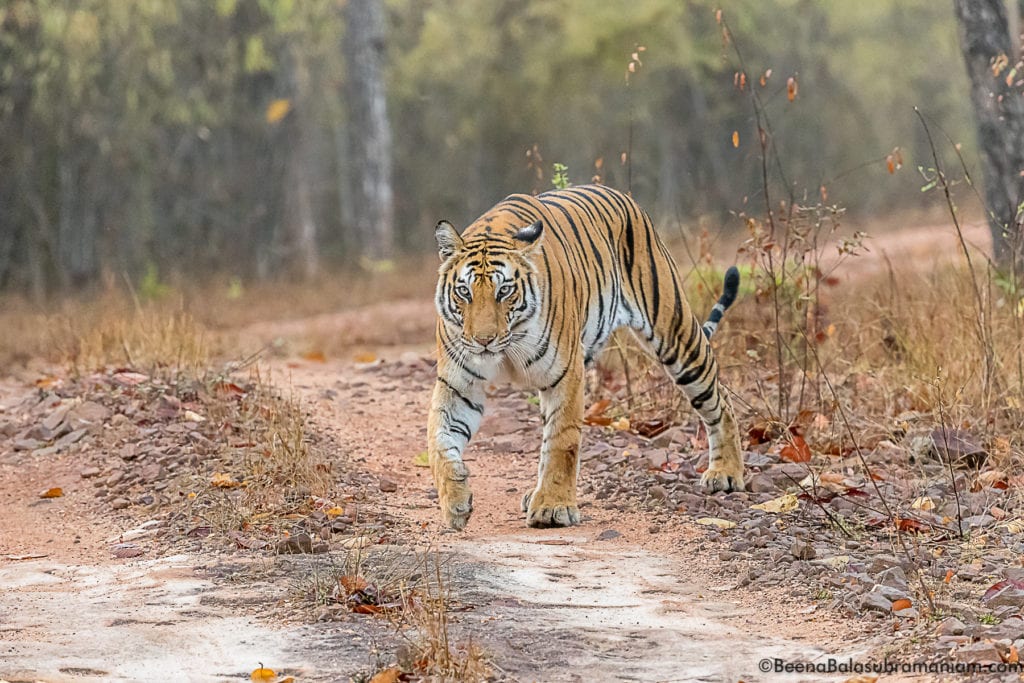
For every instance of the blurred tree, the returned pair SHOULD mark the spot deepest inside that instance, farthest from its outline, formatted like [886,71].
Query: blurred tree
[999,109]
[369,129]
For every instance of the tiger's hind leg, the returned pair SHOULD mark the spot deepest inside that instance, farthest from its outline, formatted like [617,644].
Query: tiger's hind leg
[687,356]
[691,363]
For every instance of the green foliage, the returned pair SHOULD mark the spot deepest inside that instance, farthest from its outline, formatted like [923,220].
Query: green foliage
[151,288]
[560,177]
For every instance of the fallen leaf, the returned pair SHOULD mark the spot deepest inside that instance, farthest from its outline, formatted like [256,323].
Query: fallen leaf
[48,382]
[334,511]
[949,576]
[595,413]
[735,138]
[1013,655]
[228,389]
[622,424]
[1014,526]
[791,88]
[353,583]
[786,503]
[315,357]
[356,542]
[902,603]
[387,675]
[716,522]
[796,451]
[862,679]
[263,675]
[365,358]
[904,524]
[55,492]
[191,416]
[923,503]
[1000,585]
[224,481]
[129,379]
[366,609]
[650,428]
[421,460]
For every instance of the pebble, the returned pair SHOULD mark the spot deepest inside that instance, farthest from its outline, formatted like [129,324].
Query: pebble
[951,626]
[1010,596]
[608,534]
[387,485]
[802,550]
[119,503]
[760,483]
[980,652]
[295,545]
[894,577]
[90,472]
[875,601]
[658,492]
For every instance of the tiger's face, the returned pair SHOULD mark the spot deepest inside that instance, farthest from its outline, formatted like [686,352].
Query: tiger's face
[487,288]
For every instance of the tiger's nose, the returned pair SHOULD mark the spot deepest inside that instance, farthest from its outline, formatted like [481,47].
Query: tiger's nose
[484,339]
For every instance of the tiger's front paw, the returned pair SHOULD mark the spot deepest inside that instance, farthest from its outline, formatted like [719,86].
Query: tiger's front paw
[723,477]
[454,495]
[544,510]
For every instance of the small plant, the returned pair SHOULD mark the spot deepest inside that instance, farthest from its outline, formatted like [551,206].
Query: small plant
[560,177]
[988,619]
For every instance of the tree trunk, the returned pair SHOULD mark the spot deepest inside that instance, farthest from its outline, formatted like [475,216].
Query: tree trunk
[999,109]
[301,248]
[369,129]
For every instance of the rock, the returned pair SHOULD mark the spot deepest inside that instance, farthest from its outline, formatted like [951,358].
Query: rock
[27,444]
[1011,628]
[654,459]
[653,529]
[802,550]
[907,613]
[957,446]
[976,521]
[70,438]
[115,478]
[894,577]
[53,425]
[89,415]
[667,437]
[658,492]
[119,503]
[760,483]
[727,556]
[876,602]
[879,563]
[387,485]
[980,652]
[666,477]
[295,545]
[608,534]
[90,472]
[1010,595]
[951,626]
[151,472]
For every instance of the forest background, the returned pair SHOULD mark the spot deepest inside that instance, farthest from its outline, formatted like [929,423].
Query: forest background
[163,141]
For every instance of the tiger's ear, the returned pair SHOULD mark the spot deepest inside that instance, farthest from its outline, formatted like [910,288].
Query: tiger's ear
[448,240]
[530,236]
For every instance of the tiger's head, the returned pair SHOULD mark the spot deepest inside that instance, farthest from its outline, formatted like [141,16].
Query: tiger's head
[487,286]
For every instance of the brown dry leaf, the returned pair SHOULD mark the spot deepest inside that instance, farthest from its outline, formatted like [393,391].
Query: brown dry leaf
[735,138]
[223,481]
[949,576]
[862,679]
[263,675]
[353,583]
[48,382]
[1013,655]
[780,505]
[923,503]
[334,511]
[791,88]
[228,389]
[315,357]
[27,556]
[365,357]
[797,451]
[622,424]
[902,603]
[595,414]
[387,675]
[55,492]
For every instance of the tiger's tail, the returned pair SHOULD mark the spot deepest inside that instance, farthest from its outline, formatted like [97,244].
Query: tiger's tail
[729,290]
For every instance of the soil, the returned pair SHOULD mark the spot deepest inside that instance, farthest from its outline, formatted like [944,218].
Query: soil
[640,591]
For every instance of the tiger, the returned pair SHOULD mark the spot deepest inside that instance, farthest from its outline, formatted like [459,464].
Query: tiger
[530,292]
